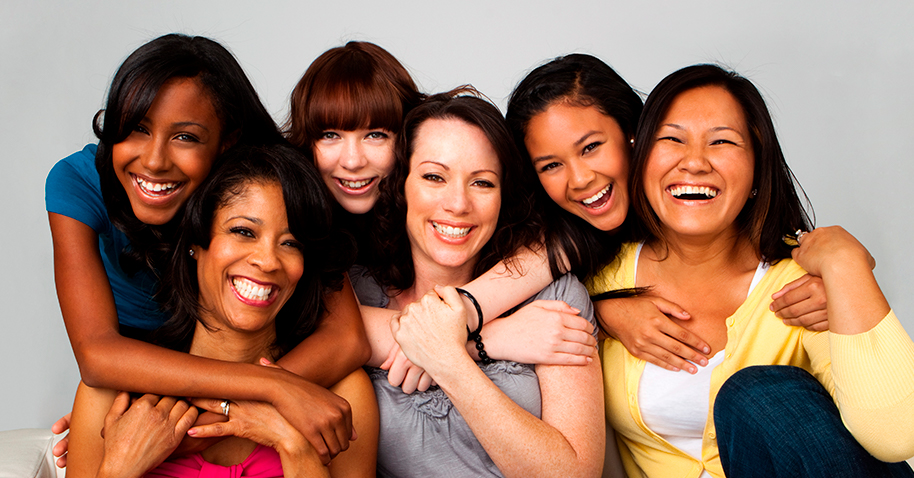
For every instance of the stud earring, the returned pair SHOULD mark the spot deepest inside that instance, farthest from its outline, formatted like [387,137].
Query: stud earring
[754,193]
[190,253]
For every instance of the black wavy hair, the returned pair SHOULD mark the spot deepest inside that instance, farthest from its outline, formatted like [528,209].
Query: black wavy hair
[581,80]
[132,92]
[328,252]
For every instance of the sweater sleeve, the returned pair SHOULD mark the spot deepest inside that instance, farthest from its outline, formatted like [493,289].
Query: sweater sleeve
[873,375]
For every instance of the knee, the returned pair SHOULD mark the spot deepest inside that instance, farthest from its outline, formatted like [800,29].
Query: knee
[763,387]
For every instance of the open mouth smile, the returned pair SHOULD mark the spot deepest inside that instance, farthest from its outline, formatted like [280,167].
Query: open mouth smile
[450,231]
[694,193]
[250,290]
[599,199]
[156,189]
[355,185]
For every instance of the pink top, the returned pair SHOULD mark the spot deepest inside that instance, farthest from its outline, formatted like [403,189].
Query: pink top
[263,462]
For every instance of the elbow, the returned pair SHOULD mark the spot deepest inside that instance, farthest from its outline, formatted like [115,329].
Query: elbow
[91,362]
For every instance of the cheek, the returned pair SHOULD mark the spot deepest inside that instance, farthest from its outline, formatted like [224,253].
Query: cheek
[324,159]
[555,187]
[382,161]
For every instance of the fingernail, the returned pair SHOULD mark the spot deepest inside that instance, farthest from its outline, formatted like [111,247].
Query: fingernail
[192,431]
[576,310]
[703,362]
[693,370]
[264,361]
[686,314]
[706,350]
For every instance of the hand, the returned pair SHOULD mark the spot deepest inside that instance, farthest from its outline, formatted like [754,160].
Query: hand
[322,417]
[544,332]
[256,421]
[830,249]
[60,448]
[432,331]
[643,326]
[404,374]
[802,303]
[140,436]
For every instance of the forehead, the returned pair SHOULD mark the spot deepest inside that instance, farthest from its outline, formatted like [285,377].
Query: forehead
[454,143]
[706,106]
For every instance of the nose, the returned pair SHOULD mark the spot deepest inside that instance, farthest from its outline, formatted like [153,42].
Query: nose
[694,160]
[352,158]
[580,174]
[263,256]
[154,157]
[456,200]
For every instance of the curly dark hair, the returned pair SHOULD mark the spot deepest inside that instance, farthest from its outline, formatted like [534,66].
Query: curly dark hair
[328,252]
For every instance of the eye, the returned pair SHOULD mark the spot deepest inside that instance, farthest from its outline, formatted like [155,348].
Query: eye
[140,129]
[722,141]
[242,231]
[433,177]
[483,183]
[669,138]
[294,244]
[377,135]
[329,135]
[187,137]
[549,166]
[590,147]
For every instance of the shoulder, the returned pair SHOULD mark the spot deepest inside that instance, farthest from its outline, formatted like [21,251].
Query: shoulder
[73,189]
[367,289]
[618,274]
[80,164]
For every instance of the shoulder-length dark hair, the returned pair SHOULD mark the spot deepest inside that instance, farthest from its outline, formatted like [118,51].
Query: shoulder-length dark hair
[517,222]
[134,88]
[328,252]
[581,80]
[358,85]
[776,209]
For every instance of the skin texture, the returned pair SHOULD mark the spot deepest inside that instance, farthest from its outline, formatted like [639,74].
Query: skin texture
[347,160]
[433,335]
[107,359]
[251,239]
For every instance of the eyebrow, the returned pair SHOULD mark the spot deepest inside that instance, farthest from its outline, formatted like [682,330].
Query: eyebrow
[714,129]
[255,220]
[446,168]
[182,124]
[579,142]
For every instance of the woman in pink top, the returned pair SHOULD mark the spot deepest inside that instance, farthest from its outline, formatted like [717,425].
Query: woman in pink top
[255,257]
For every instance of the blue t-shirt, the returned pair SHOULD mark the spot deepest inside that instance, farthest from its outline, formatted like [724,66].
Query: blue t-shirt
[73,189]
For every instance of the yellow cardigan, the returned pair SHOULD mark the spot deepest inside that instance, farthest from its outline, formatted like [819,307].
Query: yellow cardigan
[871,376]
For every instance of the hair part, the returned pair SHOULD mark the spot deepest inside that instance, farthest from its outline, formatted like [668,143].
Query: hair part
[518,224]
[328,252]
[581,80]
[132,92]
[777,209]
[358,85]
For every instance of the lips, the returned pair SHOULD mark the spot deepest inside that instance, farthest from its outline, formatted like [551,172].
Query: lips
[598,200]
[251,292]
[451,231]
[156,189]
[693,193]
[355,186]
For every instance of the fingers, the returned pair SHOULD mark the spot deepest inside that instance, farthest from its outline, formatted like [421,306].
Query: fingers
[60,451]
[399,369]
[411,381]
[802,297]
[425,381]
[118,408]
[61,425]
[670,308]
[815,321]
[684,343]
[556,306]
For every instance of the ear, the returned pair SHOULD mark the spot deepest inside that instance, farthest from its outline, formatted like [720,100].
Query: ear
[194,252]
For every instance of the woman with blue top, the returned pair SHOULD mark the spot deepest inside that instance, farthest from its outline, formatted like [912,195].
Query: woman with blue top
[174,105]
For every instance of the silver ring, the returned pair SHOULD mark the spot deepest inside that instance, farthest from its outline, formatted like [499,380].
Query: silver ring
[800,234]
[225,407]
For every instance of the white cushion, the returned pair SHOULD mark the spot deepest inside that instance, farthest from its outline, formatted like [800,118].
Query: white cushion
[26,453]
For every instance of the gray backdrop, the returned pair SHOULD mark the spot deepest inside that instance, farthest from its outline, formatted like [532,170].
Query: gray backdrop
[833,74]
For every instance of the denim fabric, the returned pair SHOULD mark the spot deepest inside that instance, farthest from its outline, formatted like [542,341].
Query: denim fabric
[779,421]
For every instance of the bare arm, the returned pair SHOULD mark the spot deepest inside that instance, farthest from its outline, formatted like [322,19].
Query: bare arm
[570,437]
[107,359]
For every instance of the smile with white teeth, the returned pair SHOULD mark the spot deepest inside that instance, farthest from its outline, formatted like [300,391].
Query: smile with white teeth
[693,192]
[449,231]
[156,189]
[355,184]
[596,197]
[250,290]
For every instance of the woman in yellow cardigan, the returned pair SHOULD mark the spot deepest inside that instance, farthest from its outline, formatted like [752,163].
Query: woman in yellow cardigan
[716,197]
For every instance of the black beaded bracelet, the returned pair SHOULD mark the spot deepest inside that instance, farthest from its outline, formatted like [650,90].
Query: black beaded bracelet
[474,335]
[480,348]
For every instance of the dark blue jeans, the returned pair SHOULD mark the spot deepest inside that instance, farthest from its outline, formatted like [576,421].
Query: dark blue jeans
[778,421]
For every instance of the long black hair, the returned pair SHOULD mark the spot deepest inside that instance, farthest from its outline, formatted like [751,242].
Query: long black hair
[581,80]
[776,209]
[132,92]
[328,252]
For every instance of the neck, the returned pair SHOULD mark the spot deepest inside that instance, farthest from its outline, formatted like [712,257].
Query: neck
[430,274]
[232,345]
[720,251]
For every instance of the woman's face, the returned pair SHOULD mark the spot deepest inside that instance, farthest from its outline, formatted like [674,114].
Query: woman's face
[582,157]
[699,172]
[352,163]
[453,193]
[166,157]
[253,262]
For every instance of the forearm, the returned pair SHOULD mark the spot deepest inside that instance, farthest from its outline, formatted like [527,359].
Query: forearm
[377,327]
[568,441]
[338,347]
[508,284]
[855,301]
